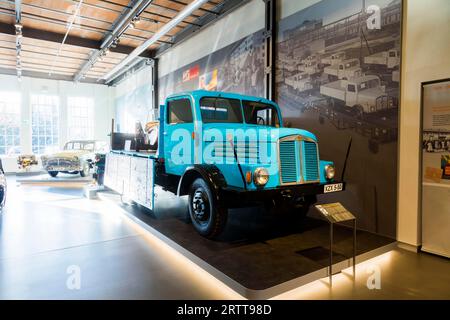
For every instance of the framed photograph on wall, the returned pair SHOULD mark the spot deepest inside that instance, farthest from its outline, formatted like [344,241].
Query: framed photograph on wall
[435,167]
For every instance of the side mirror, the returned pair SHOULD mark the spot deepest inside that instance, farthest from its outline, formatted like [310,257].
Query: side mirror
[287,124]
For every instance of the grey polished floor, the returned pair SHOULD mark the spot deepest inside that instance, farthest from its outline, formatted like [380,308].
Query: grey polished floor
[48,232]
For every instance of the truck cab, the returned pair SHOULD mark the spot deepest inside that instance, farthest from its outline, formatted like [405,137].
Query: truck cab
[225,149]
[364,94]
[300,81]
[389,58]
[345,70]
[334,58]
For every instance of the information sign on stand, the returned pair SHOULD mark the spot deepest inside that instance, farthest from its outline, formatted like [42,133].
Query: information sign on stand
[336,213]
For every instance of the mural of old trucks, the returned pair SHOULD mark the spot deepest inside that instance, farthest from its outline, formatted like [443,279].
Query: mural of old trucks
[341,69]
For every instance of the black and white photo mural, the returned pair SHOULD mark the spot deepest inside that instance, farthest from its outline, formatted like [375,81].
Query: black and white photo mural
[238,67]
[337,75]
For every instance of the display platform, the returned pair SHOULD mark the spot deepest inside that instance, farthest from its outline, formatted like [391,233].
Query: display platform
[44,178]
[258,256]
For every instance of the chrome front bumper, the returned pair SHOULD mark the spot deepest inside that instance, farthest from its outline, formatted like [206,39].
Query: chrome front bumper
[61,165]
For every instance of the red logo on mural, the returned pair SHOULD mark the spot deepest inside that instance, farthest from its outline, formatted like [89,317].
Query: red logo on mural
[191,73]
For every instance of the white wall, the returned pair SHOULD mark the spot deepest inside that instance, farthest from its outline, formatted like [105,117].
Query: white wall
[426,56]
[103,112]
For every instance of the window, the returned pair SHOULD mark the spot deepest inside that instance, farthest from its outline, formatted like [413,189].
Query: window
[220,110]
[80,145]
[44,123]
[179,111]
[68,146]
[261,114]
[80,117]
[351,88]
[9,123]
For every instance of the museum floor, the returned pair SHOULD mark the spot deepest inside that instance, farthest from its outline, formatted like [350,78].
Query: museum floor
[45,230]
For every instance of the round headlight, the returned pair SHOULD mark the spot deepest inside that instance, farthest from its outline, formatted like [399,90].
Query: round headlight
[261,176]
[329,171]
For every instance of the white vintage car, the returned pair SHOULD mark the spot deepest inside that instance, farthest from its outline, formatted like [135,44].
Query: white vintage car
[77,157]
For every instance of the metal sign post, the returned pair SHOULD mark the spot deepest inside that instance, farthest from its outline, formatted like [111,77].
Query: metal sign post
[336,213]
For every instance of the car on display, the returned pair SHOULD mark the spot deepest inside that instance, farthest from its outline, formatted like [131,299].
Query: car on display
[76,158]
[3,186]
[225,150]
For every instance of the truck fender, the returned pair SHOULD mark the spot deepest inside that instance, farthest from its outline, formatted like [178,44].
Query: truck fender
[210,173]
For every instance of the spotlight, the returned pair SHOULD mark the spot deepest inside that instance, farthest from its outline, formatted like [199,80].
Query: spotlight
[115,43]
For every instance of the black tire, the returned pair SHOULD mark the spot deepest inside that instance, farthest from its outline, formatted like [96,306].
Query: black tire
[359,111]
[208,217]
[85,170]
[53,174]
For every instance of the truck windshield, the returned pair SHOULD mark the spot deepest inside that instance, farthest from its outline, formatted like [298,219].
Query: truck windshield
[220,110]
[261,114]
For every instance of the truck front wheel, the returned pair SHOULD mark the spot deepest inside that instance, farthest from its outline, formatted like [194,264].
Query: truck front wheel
[208,217]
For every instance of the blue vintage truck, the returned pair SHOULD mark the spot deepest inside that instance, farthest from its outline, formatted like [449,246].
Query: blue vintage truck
[224,150]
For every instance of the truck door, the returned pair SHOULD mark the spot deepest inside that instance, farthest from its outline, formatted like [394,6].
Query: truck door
[393,59]
[178,135]
[351,95]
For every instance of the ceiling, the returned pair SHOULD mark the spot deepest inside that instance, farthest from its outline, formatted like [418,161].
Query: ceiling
[45,23]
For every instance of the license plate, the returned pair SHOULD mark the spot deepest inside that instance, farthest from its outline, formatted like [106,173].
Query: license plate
[332,188]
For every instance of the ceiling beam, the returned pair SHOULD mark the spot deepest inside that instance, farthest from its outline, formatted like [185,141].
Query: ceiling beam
[37,34]
[44,75]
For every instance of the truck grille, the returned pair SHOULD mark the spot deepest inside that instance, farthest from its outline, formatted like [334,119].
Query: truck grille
[299,161]
[288,162]
[311,161]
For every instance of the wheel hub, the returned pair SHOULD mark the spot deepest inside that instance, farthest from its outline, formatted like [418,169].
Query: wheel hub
[200,206]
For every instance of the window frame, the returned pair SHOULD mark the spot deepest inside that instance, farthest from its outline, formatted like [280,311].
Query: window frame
[76,105]
[168,117]
[225,98]
[272,106]
[52,104]
[11,105]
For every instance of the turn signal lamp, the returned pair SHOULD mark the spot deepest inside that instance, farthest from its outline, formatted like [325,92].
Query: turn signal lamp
[248,177]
